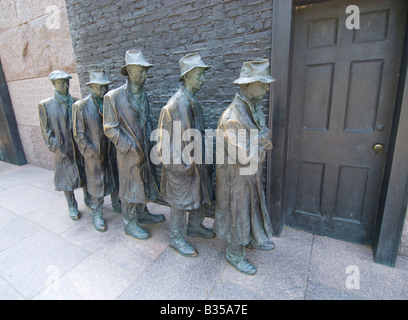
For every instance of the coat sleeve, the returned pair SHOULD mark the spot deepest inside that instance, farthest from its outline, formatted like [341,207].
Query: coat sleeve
[85,145]
[46,130]
[170,155]
[111,126]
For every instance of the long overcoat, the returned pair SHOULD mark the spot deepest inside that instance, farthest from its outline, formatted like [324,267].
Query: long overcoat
[99,153]
[127,124]
[184,186]
[241,214]
[56,128]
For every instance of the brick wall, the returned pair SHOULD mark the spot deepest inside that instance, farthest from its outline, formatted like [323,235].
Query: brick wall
[225,33]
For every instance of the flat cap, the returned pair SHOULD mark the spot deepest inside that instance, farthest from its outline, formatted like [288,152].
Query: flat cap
[59,74]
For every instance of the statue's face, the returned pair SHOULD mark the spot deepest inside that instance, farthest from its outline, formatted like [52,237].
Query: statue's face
[257,90]
[99,90]
[137,74]
[61,85]
[195,78]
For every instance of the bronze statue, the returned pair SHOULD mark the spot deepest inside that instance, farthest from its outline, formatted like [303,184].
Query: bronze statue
[184,186]
[126,122]
[241,215]
[99,153]
[56,126]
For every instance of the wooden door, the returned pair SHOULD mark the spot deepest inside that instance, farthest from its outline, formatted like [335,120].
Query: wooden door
[343,89]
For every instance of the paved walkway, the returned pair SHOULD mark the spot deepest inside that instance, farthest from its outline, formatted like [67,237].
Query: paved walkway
[45,255]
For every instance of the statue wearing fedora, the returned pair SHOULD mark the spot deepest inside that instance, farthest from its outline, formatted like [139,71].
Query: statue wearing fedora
[240,214]
[185,186]
[56,127]
[126,122]
[98,152]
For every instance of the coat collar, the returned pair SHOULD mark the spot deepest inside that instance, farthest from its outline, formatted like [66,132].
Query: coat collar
[138,102]
[67,100]
[255,111]
[97,102]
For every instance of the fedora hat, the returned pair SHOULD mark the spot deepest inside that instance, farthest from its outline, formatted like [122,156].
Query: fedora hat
[98,77]
[253,71]
[59,74]
[134,57]
[189,62]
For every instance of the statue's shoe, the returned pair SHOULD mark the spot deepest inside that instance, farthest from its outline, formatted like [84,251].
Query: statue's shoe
[269,245]
[243,265]
[99,223]
[134,230]
[117,207]
[147,217]
[184,248]
[200,231]
[74,213]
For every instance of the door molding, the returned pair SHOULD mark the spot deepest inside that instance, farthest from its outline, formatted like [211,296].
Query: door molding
[394,191]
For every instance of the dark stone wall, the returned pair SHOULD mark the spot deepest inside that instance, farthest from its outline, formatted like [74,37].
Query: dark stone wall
[224,32]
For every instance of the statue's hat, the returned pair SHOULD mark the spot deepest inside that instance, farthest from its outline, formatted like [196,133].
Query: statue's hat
[253,71]
[189,62]
[98,77]
[59,74]
[134,57]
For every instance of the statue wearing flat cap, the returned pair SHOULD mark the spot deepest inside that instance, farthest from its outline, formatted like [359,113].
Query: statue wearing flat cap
[56,127]
[126,122]
[184,182]
[99,153]
[240,214]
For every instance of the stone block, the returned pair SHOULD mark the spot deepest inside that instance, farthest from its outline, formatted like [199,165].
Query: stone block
[37,47]
[30,10]
[34,147]
[16,60]
[8,15]
[50,49]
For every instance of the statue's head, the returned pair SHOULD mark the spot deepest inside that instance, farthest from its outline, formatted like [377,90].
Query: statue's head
[254,79]
[137,74]
[136,67]
[98,83]
[194,79]
[192,70]
[60,81]
[255,91]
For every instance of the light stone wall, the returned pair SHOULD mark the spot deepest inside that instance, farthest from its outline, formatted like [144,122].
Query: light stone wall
[34,40]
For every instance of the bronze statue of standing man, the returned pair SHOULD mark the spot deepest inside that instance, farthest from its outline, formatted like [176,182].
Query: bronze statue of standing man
[99,153]
[184,184]
[126,122]
[240,214]
[56,127]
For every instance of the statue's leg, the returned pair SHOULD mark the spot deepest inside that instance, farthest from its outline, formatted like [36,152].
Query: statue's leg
[116,204]
[144,216]
[177,233]
[132,227]
[236,256]
[72,205]
[97,216]
[87,197]
[195,226]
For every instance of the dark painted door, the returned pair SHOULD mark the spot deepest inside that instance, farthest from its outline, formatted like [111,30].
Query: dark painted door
[343,90]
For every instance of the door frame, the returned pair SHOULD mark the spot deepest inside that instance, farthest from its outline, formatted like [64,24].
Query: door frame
[394,190]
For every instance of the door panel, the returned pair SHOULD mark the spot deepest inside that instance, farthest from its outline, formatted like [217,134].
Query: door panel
[343,91]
